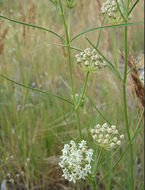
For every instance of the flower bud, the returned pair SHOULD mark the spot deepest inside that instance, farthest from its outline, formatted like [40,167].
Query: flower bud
[71,3]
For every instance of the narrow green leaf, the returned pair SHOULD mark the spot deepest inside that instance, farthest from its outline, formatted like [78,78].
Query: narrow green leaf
[97,109]
[35,89]
[123,5]
[105,27]
[61,45]
[135,65]
[100,32]
[55,134]
[32,25]
[108,172]
[112,66]
[133,7]
[120,10]
[138,128]
[118,184]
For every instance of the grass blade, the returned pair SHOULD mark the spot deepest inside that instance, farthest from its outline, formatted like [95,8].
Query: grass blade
[37,90]
[97,109]
[114,165]
[105,27]
[100,32]
[32,25]
[133,7]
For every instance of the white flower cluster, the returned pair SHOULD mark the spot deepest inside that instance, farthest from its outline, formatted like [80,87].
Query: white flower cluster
[110,9]
[76,161]
[107,137]
[141,76]
[90,60]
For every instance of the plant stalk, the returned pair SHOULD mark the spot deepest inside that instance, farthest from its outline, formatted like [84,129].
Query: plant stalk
[84,90]
[67,32]
[125,104]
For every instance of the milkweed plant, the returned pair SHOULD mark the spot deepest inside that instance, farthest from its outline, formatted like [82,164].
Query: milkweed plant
[80,159]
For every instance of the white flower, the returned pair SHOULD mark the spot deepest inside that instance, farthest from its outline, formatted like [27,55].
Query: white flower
[105,125]
[81,54]
[87,50]
[115,139]
[76,161]
[77,56]
[92,130]
[111,11]
[95,136]
[93,58]
[109,130]
[119,142]
[122,136]
[103,129]
[86,63]
[115,132]
[99,141]
[97,131]
[101,136]
[98,126]
[113,127]
[106,136]
[105,141]
[90,60]
[84,57]
[112,145]
[79,60]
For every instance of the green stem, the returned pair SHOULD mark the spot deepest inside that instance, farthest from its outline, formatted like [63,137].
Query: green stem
[94,184]
[125,104]
[128,2]
[120,10]
[96,166]
[68,50]
[124,81]
[67,32]
[78,122]
[84,90]
[115,51]
[115,47]
[78,105]
[69,22]
[110,176]
[100,32]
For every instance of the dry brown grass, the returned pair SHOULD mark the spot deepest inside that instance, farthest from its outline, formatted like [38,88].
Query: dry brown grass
[137,86]
[3,33]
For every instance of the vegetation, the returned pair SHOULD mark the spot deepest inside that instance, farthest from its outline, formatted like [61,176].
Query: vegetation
[40,110]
